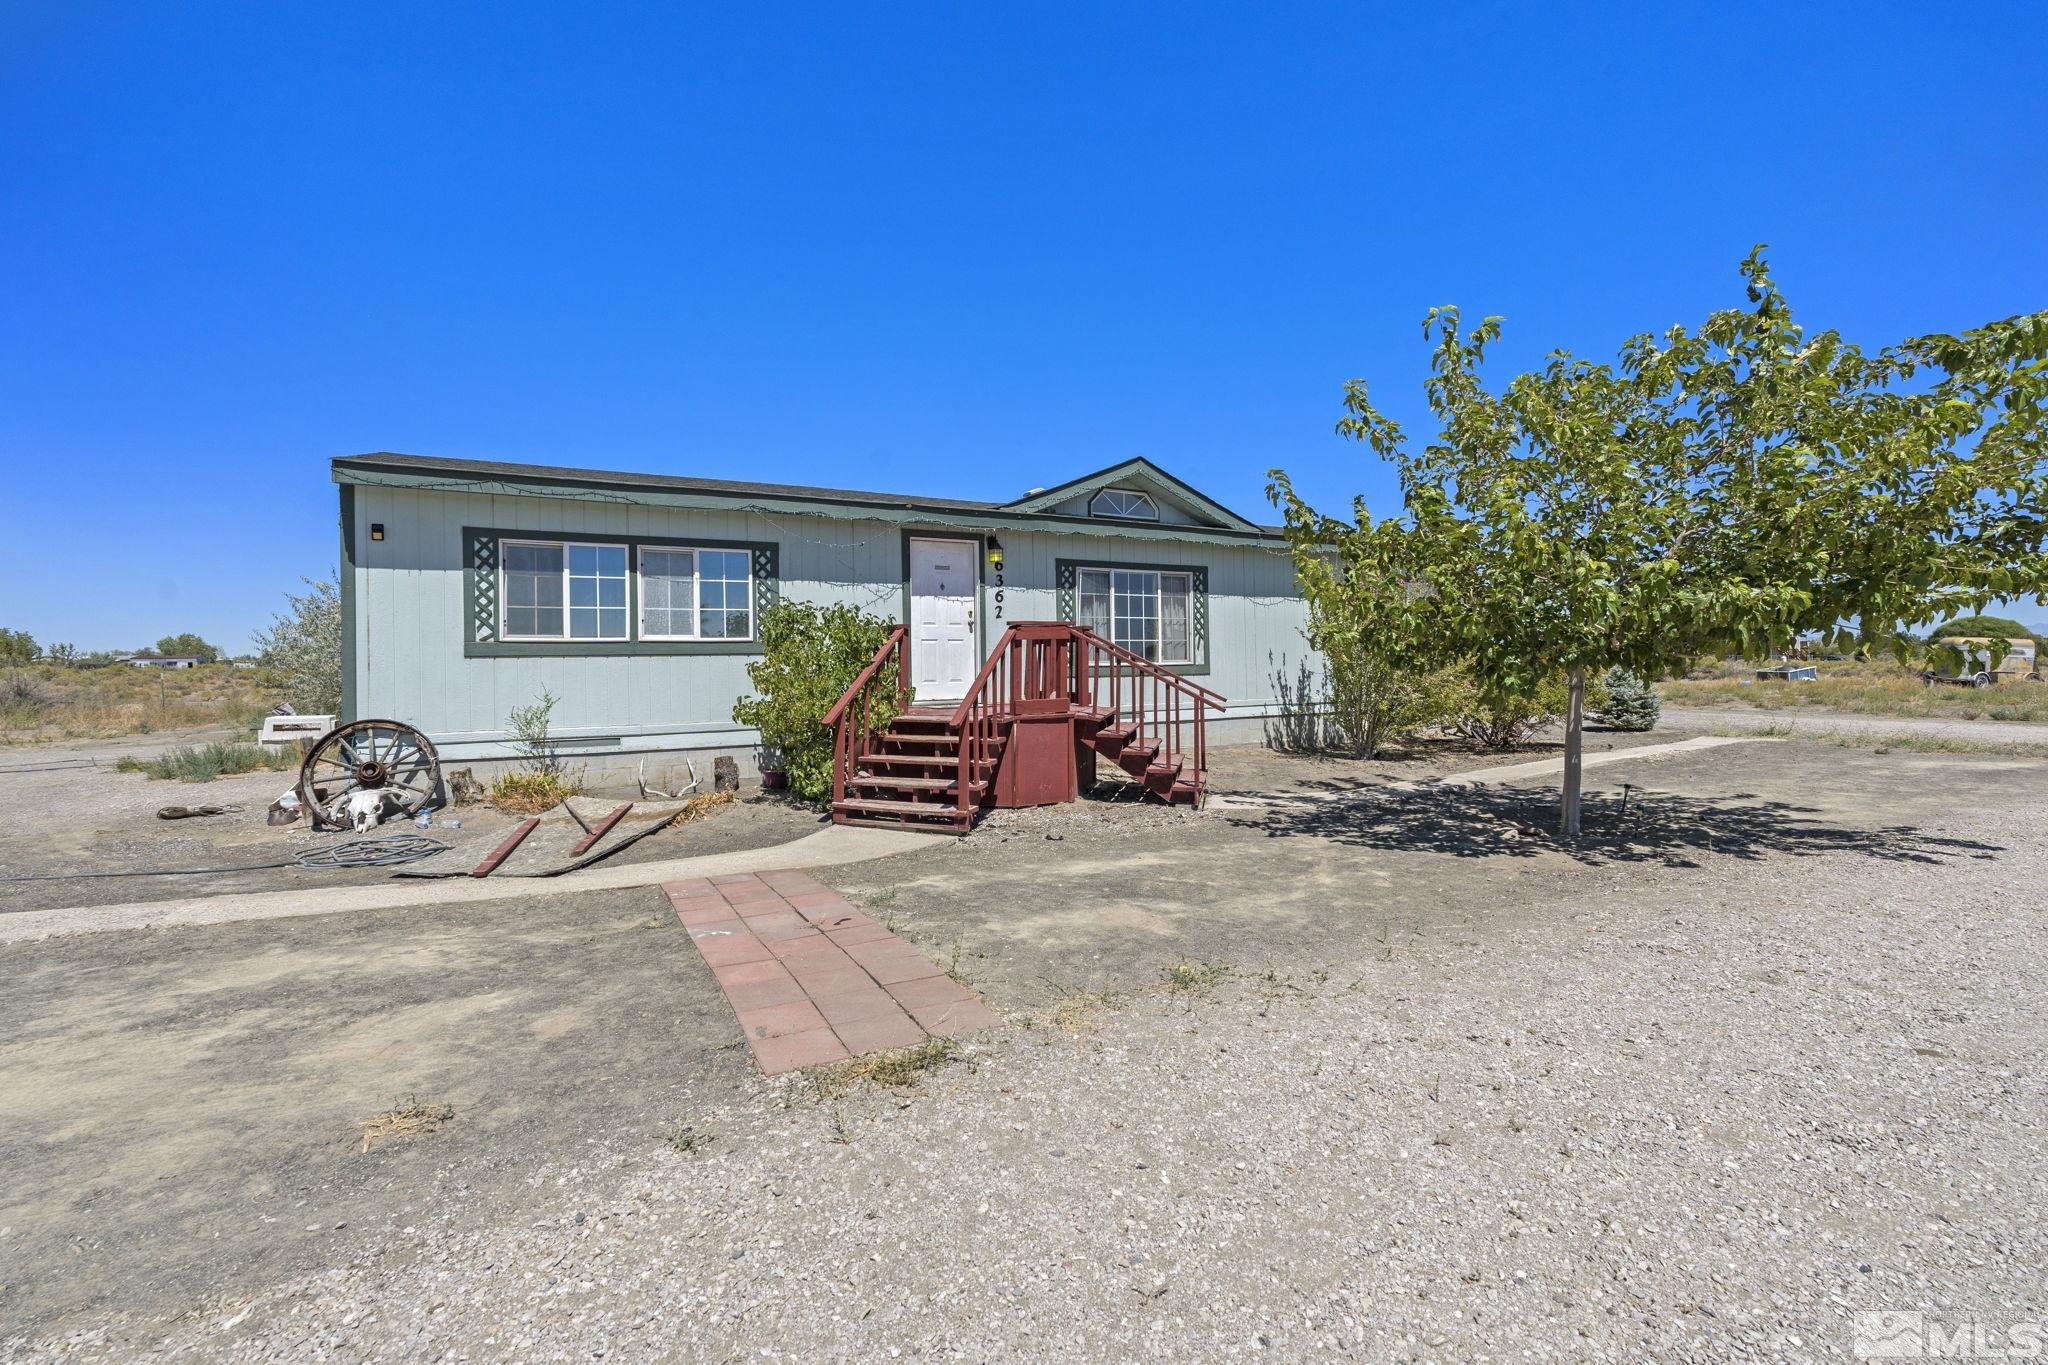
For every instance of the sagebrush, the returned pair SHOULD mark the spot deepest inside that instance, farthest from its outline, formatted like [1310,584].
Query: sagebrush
[205,762]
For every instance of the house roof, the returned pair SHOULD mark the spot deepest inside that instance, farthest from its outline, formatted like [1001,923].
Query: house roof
[493,476]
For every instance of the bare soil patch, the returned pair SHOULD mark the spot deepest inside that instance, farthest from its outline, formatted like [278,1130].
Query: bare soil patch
[82,816]
[185,1112]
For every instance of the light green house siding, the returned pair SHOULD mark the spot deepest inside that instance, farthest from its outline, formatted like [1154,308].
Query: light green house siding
[412,654]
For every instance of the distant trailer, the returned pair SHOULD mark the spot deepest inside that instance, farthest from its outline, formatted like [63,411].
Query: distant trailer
[153,662]
[1789,673]
[1974,667]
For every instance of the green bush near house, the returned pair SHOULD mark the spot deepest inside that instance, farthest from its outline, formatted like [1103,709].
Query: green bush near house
[810,656]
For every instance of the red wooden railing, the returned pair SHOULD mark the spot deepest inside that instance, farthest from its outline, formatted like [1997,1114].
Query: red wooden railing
[854,719]
[1030,671]
[1168,710]
[1041,667]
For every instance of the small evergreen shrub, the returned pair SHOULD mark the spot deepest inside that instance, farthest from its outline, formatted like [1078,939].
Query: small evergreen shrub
[1631,704]
[810,656]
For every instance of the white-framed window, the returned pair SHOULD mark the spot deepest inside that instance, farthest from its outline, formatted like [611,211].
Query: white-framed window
[1150,612]
[696,594]
[562,590]
[1126,503]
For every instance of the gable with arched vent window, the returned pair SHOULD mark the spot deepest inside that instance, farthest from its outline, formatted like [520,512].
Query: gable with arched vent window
[1125,504]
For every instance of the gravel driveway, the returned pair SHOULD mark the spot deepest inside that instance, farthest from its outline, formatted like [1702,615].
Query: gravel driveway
[2010,735]
[1707,1123]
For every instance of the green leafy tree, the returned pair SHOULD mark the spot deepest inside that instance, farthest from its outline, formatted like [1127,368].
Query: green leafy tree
[303,648]
[64,654]
[1728,487]
[17,647]
[809,657]
[187,646]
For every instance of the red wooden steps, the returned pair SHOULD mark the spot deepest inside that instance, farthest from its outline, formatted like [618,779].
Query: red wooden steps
[908,774]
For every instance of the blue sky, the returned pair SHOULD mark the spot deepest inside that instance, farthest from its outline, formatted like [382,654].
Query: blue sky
[950,249]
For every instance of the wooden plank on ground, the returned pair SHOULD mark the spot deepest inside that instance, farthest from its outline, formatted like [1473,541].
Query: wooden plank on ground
[602,828]
[503,851]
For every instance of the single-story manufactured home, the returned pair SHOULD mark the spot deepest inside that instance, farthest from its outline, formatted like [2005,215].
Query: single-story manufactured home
[470,587]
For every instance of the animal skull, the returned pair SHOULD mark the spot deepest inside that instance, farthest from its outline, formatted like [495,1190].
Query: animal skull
[368,809]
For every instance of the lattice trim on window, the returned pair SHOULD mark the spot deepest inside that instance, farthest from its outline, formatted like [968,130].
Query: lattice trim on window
[767,581]
[483,585]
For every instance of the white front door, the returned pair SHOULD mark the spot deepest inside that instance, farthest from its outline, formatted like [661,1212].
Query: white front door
[942,590]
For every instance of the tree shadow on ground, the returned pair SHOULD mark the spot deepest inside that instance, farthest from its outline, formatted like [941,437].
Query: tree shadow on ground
[1652,827]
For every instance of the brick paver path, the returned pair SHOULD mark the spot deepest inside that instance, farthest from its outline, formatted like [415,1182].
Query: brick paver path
[812,979]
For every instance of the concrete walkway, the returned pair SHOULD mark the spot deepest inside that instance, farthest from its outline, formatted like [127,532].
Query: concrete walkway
[1507,772]
[827,847]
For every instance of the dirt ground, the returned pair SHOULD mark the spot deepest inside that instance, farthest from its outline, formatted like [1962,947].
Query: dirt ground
[69,811]
[180,1112]
[179,1109]
[1049,903]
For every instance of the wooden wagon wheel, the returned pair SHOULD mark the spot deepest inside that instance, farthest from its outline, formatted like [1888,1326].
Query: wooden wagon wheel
[367,755]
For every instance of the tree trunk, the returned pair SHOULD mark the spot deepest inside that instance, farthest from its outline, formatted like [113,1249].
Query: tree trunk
[1574,745]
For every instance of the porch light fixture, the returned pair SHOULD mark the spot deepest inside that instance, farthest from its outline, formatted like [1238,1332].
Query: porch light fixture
[995,553]
[376,530]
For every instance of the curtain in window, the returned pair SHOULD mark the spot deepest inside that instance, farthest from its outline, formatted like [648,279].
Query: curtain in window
[1176,599]
[668,593]
[1134,601]
[1091,603]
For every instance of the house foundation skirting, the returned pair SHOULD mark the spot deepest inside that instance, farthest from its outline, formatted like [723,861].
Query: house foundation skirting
[613,763]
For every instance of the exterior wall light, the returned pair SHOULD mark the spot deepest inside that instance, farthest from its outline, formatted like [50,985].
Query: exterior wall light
[376,530]
[995,553]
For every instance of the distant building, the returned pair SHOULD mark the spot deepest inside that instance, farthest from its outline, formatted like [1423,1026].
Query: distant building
[166,661]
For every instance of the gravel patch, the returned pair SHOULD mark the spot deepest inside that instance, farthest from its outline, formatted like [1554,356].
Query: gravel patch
[1708,1124]
[1815,722]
